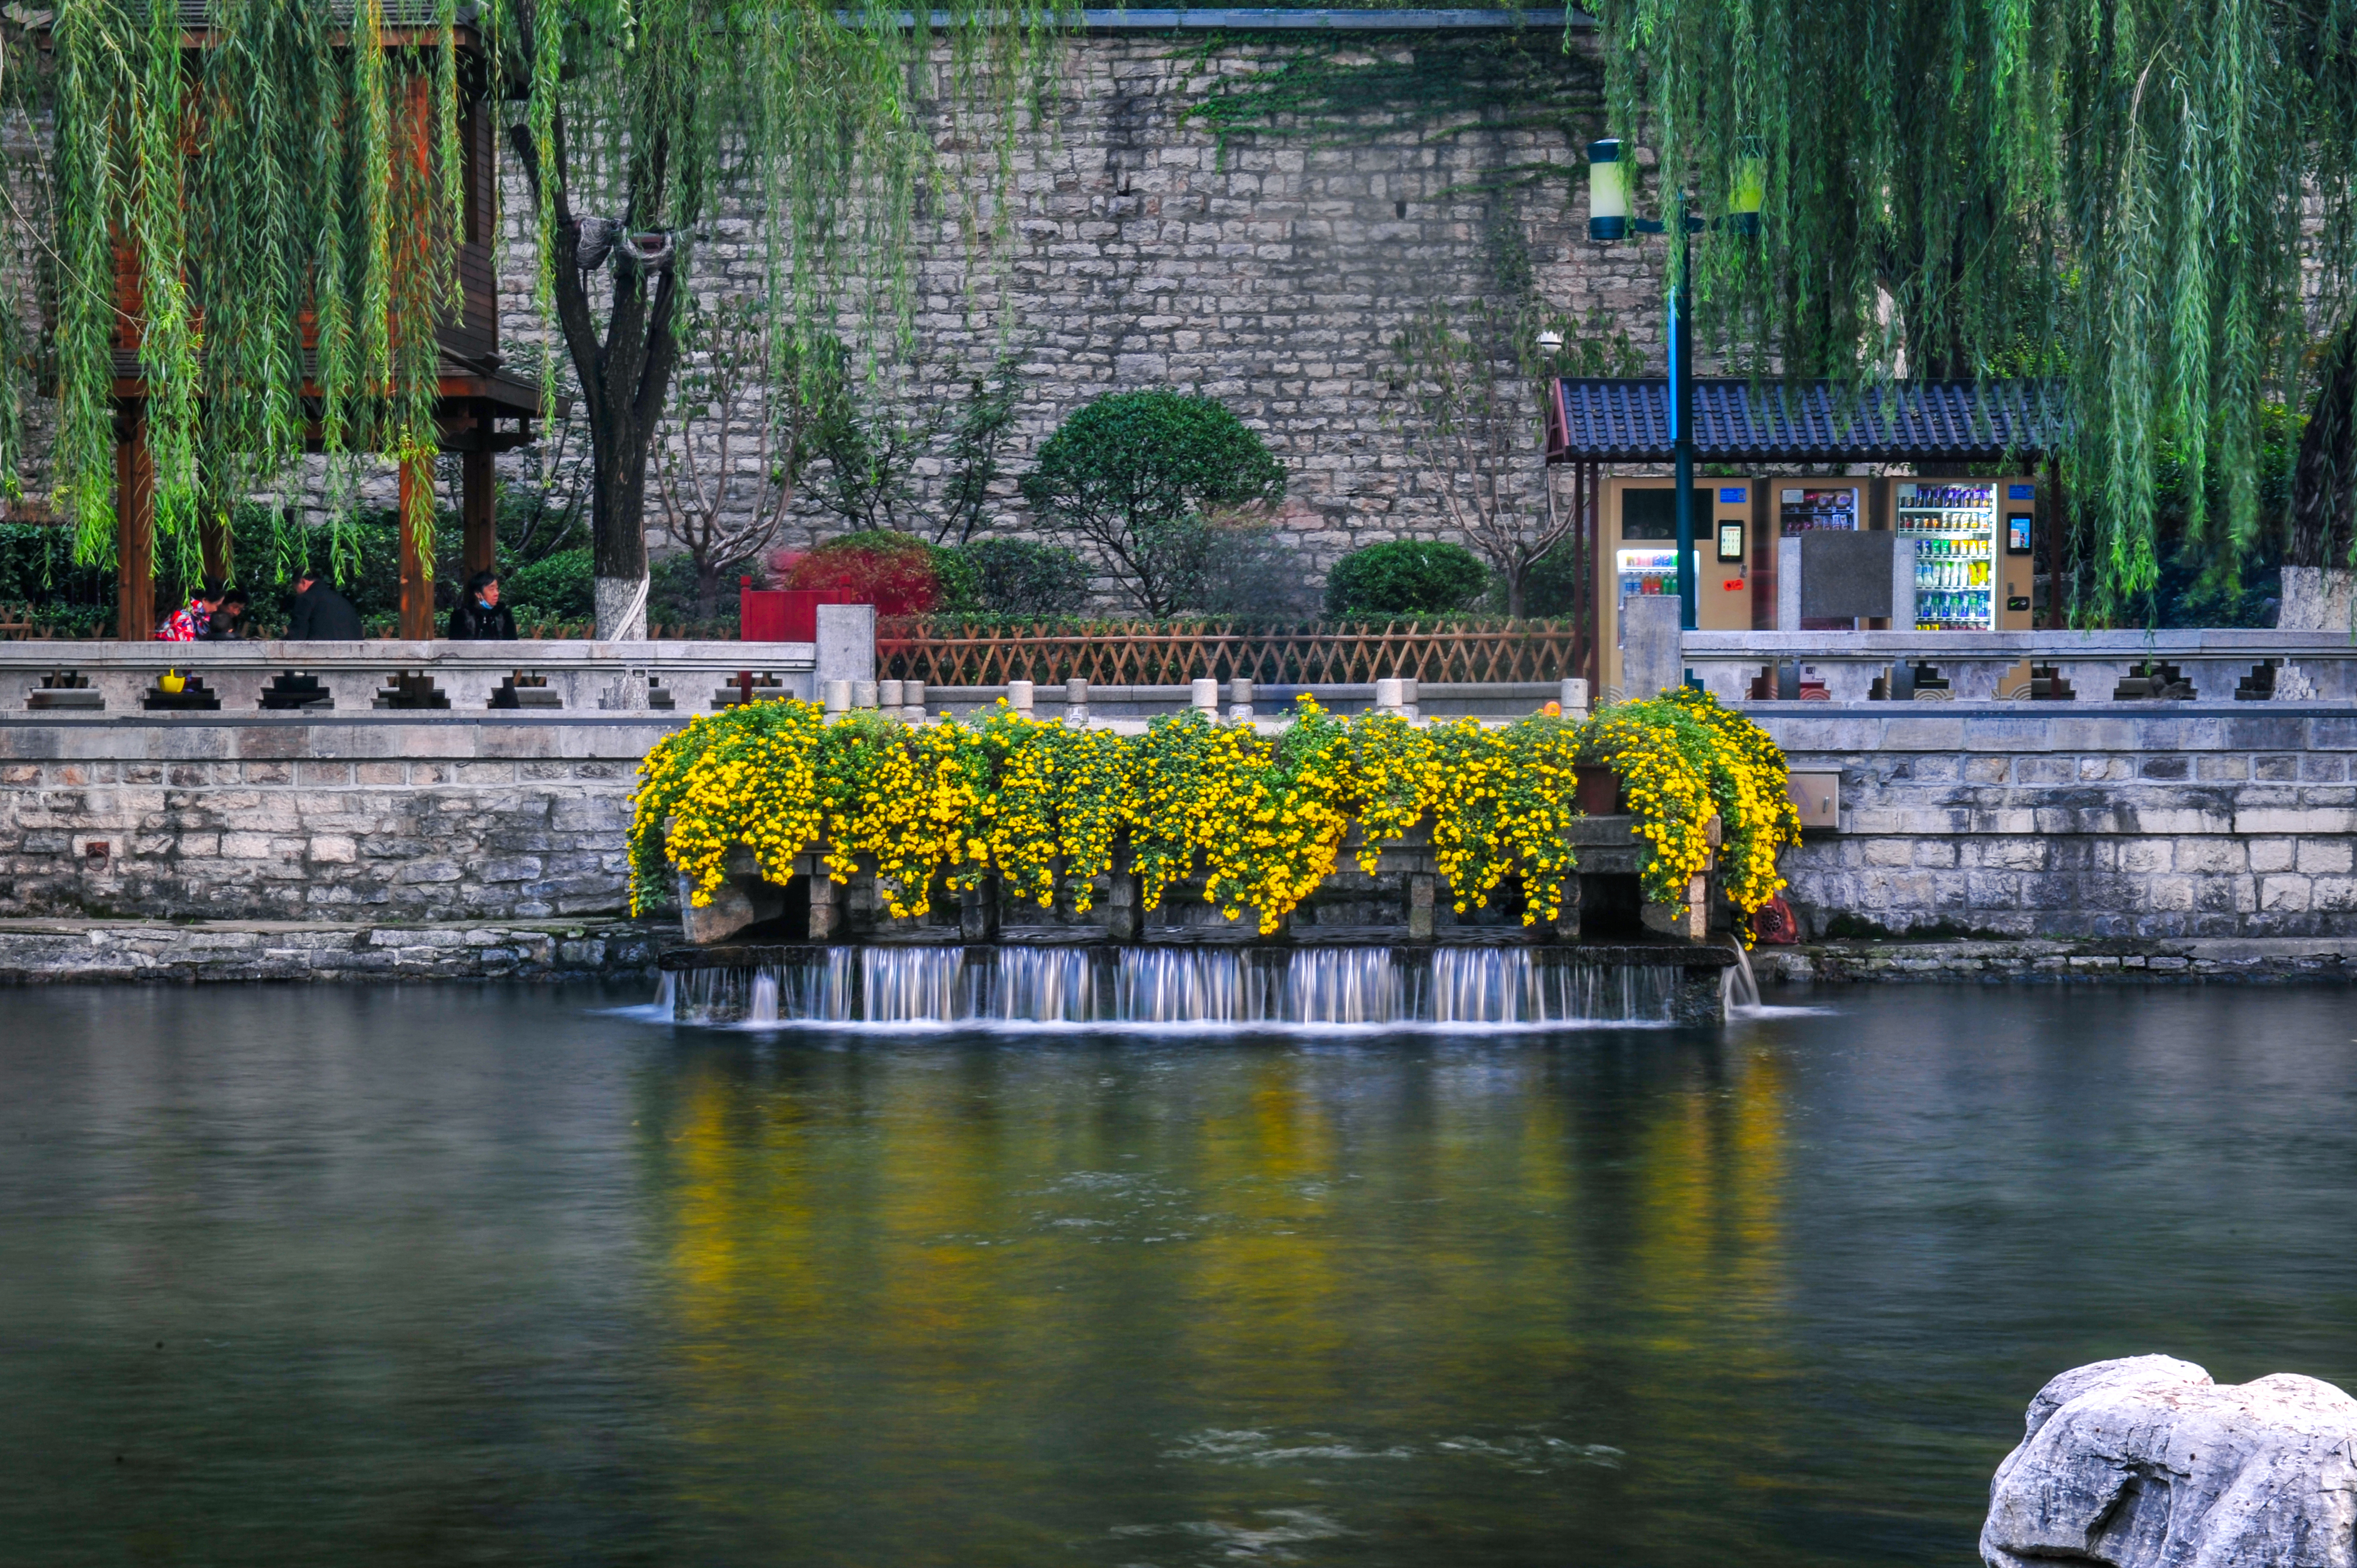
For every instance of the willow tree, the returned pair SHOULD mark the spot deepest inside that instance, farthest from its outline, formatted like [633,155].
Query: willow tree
[254,220]
[2147,199]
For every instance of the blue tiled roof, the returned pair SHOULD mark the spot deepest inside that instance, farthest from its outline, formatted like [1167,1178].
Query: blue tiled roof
[1807,422]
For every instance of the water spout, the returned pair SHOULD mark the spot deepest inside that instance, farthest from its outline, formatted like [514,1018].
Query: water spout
[763,1007]
[1738,988]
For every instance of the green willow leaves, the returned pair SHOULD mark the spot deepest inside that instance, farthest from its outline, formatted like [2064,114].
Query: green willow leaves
[2124,195]
[248,202]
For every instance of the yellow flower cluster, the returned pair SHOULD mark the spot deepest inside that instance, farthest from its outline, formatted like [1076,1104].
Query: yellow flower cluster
[1755,802]
[1263,817]
[1683,759]
[749,776]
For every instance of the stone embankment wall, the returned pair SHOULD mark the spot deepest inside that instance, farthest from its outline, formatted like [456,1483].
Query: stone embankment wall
[468,818]
[2178,820]
[71,950]
[2183,821]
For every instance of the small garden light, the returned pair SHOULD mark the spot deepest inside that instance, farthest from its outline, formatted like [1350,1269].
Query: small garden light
[1750,192]
[1551,341]
[1608,190]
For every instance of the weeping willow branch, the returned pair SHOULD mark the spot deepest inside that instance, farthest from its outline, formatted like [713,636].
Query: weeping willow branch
[259,214]
[2122,193]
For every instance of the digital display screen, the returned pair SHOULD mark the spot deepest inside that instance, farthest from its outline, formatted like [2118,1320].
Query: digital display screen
[1730,540]
[2017,533]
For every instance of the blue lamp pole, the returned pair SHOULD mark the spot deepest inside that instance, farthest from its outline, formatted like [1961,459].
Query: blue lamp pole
[1608,220]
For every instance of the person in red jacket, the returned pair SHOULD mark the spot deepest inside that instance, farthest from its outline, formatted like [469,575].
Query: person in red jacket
[189,624]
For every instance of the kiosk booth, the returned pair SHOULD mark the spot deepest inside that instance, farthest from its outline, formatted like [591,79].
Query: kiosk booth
[1816,552]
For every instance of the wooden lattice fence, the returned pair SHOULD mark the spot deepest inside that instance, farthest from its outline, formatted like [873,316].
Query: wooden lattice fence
[1151,653]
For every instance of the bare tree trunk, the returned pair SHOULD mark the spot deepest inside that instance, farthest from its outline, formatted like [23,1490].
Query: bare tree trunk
[2324,478]
[623,379]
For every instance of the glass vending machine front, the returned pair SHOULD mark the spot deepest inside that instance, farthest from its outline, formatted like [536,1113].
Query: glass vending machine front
[1647,571]
[1953,524]
[1802,510]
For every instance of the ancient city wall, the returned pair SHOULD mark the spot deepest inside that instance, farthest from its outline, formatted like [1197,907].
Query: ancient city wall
[1272,274]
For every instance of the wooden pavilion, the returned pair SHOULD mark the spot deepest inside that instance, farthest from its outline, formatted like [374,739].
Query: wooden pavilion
[482,407]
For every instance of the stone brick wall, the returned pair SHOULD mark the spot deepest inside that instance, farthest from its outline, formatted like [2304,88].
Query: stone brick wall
[2191,820]
[1273,277]
[461,818]
[2200,819]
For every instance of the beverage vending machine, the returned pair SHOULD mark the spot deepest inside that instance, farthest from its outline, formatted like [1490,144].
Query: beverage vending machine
[1973,550]
[1639,557]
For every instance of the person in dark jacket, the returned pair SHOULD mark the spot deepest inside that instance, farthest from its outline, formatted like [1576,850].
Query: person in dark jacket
[321,614]
[228,622]
[479,616]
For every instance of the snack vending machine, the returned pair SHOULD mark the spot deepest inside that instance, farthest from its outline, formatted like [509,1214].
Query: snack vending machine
[1640,557]
[1972,541]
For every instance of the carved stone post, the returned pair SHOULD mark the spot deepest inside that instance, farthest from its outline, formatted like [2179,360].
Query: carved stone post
[826,909]
[978,911]
[1422,886]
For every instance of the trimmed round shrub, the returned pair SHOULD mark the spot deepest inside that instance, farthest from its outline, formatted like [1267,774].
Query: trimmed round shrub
[1022,577]
[1140,477]
[1409,576]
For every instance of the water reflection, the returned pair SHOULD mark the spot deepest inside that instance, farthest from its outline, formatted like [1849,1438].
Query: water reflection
[1392,1291]
[456,1275]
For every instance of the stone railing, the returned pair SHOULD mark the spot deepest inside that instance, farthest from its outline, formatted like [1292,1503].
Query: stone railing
[1987,666]
[64,681]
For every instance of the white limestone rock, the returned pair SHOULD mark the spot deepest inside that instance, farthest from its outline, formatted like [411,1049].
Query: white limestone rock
[2144,1463]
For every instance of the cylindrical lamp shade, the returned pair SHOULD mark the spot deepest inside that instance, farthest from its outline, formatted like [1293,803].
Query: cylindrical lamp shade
[1750,192]
[1608,190]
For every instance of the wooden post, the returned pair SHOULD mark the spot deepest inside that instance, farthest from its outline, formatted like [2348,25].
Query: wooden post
[475,506]
[416,587]
[213,538]
[134,536]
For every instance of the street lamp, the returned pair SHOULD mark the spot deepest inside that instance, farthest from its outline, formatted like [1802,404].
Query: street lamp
[1608,219]
[1608,192]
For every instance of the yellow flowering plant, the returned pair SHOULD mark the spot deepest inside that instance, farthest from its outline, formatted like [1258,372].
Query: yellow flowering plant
[748,774]
[1683,759]
[1263,817]
[1757,815]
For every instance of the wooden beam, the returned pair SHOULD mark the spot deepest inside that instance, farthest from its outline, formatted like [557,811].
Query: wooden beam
[480,519]
[135,535]
[416,584]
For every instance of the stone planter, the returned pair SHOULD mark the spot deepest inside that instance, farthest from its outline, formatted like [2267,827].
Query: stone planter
[1406,895]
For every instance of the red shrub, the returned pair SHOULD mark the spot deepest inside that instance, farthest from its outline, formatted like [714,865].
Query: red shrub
[892,571]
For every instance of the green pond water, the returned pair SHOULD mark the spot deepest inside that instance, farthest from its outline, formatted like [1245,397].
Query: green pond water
[455,1275]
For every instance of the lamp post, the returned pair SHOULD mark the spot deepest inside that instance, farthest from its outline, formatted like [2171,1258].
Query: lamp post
[1608,220]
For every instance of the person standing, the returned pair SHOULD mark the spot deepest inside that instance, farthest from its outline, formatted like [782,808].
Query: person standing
[187,624]
[320,613]
[478,616]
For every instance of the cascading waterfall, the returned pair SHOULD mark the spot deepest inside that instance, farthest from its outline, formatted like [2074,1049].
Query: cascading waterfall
[1473,987]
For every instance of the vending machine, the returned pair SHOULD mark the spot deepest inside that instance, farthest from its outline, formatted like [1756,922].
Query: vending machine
[1639,557]
[1812,505]
[1973,550]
